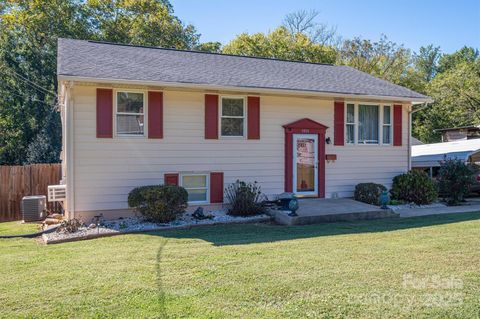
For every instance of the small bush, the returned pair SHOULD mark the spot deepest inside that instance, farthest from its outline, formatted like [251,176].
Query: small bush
[396,202]
[455,179]
[369,193]
[245,199]
[414,187]
[159,203]
[69,226]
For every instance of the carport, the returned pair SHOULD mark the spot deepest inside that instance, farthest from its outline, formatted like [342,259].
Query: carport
[429,156]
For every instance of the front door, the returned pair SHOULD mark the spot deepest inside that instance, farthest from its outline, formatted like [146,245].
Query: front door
[305,164]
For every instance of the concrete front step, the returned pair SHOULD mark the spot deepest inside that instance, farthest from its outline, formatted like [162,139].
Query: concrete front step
[314,211]
[283,218]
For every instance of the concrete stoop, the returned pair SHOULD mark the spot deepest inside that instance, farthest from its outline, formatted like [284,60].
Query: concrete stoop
[283,218]
[316,211]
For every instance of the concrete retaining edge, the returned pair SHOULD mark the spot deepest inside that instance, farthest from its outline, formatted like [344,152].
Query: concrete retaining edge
[46,241]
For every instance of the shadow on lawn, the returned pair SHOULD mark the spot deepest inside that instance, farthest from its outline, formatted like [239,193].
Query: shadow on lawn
[259,233]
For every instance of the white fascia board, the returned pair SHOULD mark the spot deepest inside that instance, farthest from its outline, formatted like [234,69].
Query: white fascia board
[243,89]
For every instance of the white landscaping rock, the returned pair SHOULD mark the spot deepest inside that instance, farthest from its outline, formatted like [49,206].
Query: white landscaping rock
[414,206]
[135,224]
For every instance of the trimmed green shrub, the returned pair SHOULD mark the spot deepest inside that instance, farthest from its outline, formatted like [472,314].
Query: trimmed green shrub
[455,179]
[396,202]
[414,187]
[159,203]
[245,199]
[369,193]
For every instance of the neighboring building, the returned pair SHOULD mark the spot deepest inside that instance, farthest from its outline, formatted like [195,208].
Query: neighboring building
[428,157]
[136,116]
[416,141]
[459,133]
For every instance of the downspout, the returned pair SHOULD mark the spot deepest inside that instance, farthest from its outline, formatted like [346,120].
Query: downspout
[69,138]
[410,112]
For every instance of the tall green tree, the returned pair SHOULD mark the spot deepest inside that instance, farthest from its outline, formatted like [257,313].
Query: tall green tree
[28,33]
[141,22]
[450,61]
[456,92]
[212,47]
[384,59]
[423,68]
[29,29]
[301,38]
[281,44]
[426,61]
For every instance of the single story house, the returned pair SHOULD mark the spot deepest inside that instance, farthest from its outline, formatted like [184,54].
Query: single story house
[428,157]
[135,115]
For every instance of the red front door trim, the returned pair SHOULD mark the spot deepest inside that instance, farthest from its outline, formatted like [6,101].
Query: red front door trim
[305,126]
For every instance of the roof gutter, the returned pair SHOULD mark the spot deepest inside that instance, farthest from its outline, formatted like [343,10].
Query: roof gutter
[243,89]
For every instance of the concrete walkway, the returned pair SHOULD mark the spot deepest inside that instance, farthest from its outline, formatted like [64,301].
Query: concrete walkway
[471,206]
[315,211]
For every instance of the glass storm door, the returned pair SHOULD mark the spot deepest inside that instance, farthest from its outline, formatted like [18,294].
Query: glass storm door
[305,164]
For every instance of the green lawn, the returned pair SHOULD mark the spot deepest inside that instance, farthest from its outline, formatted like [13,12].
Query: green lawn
[252,271]
[17,227]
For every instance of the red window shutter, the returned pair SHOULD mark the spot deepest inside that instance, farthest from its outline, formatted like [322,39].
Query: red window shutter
[155,114]
[397,125]
[171,179]
[253,103]
[104,113]
[339,123]
[211,116]
[216,187]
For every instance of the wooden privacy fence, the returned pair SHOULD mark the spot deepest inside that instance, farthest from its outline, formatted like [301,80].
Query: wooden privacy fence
[19,181]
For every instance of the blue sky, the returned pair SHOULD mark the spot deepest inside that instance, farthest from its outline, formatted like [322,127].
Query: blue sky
[448,24]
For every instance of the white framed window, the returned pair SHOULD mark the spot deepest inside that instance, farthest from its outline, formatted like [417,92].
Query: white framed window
[232,117]
[130,113]
[196,186]
[368,124]
[350,123]
[387,125]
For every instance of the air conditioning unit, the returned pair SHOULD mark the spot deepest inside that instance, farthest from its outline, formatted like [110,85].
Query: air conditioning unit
[34,208]
[57,193]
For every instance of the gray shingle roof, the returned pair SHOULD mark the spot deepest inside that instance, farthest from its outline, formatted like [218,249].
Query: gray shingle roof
[89,59]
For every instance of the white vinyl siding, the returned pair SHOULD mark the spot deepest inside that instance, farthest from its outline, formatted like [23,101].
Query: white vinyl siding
[106,170]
